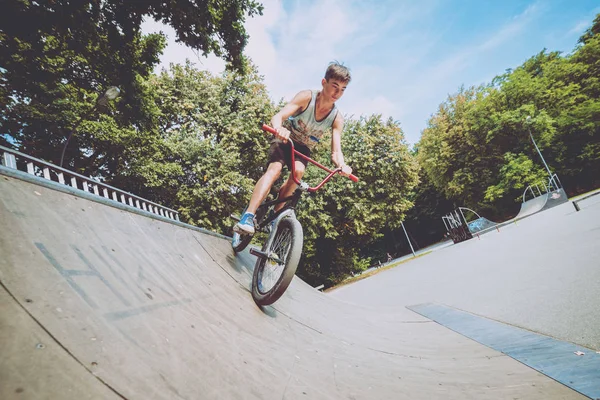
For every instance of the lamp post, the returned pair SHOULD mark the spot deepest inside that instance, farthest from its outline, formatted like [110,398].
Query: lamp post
[528,122]
[407,238]
[110,94]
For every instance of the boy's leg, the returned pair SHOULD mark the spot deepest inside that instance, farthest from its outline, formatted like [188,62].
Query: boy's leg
[260,192]
[263,186]
[289,186]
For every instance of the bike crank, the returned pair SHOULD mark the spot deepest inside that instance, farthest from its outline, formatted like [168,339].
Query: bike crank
[269,256]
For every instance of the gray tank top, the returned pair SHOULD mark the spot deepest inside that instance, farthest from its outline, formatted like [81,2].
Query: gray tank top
[304,126]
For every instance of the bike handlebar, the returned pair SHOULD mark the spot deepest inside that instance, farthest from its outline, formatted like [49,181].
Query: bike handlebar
[354,178]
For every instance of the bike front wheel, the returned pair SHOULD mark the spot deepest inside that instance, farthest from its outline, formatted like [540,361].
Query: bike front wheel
[273,274]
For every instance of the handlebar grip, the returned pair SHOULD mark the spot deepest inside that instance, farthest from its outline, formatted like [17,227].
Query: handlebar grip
[353,178]
[267,128]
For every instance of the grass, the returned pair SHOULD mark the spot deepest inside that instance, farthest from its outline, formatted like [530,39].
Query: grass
[373,272]
[580,196]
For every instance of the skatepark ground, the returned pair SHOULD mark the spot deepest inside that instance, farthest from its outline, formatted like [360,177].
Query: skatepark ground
[101,302]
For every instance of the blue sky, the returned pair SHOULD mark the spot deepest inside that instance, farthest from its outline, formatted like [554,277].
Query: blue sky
[406,57]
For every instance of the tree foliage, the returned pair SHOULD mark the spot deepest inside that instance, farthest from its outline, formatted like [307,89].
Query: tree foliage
[216,151]
[57,57]
[477,149]
[191,140]
[344,220]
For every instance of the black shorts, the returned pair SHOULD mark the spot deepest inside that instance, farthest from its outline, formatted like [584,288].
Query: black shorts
[280,152]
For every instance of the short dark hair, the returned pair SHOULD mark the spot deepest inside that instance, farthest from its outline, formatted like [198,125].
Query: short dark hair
[337,71]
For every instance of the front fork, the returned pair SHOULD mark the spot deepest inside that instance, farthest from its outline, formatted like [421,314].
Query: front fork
[265,253]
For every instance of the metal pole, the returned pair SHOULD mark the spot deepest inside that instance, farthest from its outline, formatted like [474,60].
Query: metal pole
[62,156]
[110,94]
[536,147]
[411,247]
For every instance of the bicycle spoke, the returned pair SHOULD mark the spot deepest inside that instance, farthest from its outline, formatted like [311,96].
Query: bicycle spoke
[272,270]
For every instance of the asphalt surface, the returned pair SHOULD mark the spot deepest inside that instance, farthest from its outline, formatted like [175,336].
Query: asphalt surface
[542,274]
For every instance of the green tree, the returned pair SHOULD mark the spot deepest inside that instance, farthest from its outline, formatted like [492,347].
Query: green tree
[477,149]
[215,149]
[592,32]
[424,220]
[344,220]
[57,56]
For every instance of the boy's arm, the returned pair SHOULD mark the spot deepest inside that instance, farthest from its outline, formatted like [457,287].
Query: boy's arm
[336,145]
[299,102]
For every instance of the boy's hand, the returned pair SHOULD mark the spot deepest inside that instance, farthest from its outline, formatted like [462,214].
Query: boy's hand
[283,134]
[346,170]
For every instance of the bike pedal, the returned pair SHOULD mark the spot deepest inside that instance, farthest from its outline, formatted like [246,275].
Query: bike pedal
[258,253]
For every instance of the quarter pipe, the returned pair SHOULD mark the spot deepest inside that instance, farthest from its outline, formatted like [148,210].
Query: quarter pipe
[99,302]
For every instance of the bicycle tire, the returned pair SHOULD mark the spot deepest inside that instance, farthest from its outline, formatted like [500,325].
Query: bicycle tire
[289,231]
[246,239]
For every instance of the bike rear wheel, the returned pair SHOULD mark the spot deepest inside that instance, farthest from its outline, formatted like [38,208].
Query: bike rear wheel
[273,275]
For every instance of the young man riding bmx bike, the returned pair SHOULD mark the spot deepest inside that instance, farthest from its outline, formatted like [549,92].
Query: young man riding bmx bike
[305,119]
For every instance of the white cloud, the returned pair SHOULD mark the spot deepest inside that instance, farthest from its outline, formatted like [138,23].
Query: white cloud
[583,23]
[579,28]
[402,61]
[510,30]
[377,104]
[432,85]
[294,52]
[292,47]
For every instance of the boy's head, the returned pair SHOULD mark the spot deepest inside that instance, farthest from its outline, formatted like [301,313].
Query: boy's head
[339,72]
[336,79]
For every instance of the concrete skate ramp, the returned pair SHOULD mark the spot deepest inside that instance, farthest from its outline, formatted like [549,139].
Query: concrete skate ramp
[481,224]
[556,198]
[543,202]
[532,206]
[102,303]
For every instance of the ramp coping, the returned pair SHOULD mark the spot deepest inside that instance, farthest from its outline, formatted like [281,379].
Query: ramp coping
[43,169]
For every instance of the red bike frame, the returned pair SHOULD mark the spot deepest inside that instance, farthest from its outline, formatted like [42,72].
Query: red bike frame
[295,153]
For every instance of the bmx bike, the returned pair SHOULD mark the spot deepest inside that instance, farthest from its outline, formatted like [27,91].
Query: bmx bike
[280,254]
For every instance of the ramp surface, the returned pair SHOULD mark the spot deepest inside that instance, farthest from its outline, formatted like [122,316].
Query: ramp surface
[481,224]
[541,203]
[99,302]
[532,206]
[556,198]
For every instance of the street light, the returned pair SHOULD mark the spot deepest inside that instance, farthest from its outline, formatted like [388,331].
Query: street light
[407,238]
[528,122]
[110,94]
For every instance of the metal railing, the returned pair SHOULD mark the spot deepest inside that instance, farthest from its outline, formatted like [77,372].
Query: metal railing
[34,166]
[530,189]
[576,202]
[553,185]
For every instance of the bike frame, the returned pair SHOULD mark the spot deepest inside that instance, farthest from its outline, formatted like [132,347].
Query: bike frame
[288,209]
[293,248]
